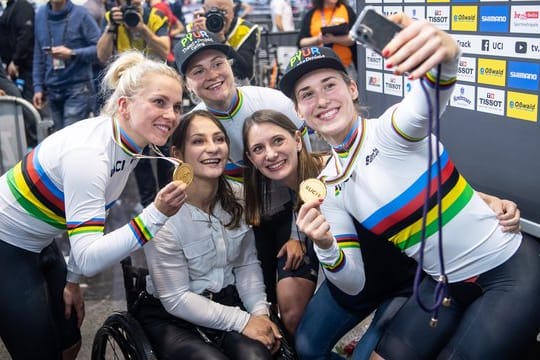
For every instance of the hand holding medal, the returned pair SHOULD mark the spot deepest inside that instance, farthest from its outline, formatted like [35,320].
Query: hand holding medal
[311,189]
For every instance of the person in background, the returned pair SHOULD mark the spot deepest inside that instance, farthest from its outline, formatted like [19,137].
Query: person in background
[176,8]
[206,276]
[67,184]
[176,27]
[240,34]
[242,9]
[282,16]
[149,32]
[64,51]
[327,13]
[205,65]
[377,176]
[275,152]
[16,51]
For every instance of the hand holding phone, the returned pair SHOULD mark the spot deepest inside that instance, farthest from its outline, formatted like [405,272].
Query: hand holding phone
[373,30]
[46,49]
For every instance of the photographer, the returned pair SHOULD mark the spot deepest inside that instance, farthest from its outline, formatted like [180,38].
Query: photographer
[132,26]
[217,16]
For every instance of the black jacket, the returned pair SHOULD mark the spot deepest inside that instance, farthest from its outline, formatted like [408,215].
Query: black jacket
[17,34]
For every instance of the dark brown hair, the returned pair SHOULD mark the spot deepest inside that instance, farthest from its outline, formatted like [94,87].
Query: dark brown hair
[225,194]
[256,185]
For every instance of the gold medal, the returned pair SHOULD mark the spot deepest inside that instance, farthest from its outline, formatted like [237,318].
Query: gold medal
[311,189]
[184,173]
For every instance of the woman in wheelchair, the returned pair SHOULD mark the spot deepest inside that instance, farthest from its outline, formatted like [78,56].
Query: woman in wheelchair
[206,292]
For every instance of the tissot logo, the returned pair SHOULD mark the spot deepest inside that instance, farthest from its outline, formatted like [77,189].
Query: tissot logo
[521,47]
[490,101]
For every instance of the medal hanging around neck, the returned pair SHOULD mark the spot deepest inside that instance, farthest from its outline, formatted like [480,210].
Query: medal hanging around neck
[182,171]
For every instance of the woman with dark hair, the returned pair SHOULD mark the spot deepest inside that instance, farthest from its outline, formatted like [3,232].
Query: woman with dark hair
[275,152]
[205,277]
[391,175]
[328,24]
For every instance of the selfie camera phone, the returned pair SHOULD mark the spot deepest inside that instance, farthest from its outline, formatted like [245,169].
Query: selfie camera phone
[373,30]
[46,49]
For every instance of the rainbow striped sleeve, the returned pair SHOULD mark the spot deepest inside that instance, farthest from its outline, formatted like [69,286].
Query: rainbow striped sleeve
[139,229]
[346,241]
[95,225]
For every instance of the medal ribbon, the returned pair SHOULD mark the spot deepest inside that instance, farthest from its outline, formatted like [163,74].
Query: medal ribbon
[347,144]
[129,147]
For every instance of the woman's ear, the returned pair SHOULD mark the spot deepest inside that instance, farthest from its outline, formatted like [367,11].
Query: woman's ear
[298,140]
[175,152]
[123,106]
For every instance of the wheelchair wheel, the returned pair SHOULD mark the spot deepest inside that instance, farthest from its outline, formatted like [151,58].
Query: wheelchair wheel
[121,338]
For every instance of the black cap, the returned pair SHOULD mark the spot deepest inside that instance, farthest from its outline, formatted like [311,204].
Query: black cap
[306,60]
[193,43]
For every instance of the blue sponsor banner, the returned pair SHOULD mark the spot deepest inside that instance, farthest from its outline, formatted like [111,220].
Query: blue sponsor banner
[494,18]
[523,75]
[463,1]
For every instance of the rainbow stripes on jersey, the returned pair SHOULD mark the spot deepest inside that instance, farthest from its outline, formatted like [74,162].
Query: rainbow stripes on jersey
[142,234]
[93,226]
[400,220]
[234,172]
[36,192]
[235,107]
[344,241]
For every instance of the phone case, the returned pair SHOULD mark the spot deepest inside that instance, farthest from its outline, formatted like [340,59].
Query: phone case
[373,30]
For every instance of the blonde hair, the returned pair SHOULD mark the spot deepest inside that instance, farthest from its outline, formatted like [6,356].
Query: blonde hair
[125,75]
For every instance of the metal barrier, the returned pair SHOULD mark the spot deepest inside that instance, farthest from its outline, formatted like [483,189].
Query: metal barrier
[13,144]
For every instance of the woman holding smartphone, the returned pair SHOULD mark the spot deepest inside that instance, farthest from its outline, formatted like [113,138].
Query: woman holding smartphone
[378,176]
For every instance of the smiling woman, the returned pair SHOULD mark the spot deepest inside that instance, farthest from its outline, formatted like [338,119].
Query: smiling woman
[68,183]
[207,278]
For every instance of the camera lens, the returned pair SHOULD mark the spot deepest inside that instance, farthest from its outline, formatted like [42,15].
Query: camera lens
[214,20]
[131,17]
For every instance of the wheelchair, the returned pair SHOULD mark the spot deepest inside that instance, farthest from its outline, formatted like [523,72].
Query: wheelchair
[122,337]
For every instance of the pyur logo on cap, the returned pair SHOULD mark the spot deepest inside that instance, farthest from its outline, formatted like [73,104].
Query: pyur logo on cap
[305,60]
[194,42]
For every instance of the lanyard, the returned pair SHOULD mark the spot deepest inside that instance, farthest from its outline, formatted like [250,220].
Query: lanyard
[64,34]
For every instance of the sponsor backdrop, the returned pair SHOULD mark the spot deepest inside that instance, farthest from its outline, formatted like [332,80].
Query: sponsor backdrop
[491,126]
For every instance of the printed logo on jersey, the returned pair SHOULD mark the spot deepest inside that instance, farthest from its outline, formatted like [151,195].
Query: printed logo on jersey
[522,106]
[523,75]
[463,97]
[525,19]
[494,18]
[466,69]
[490,101]
[374,81]
[464,18]
[439,15]
[393,84]
[492,72]
[373,60]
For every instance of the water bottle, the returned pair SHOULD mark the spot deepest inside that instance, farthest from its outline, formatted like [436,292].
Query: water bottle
[20,84]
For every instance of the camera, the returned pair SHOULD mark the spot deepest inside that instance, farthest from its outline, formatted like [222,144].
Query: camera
[130,14]
[215,20]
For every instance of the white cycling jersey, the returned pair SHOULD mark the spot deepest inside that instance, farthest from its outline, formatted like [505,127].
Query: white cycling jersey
[379,177]
[67,183]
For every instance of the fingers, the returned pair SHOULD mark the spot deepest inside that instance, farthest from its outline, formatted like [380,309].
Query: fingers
[418,48]
[171,198]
